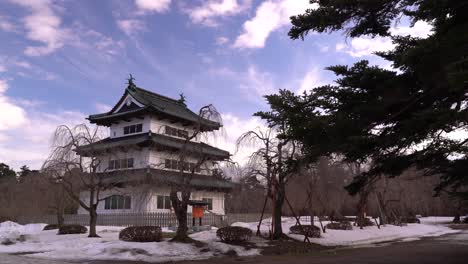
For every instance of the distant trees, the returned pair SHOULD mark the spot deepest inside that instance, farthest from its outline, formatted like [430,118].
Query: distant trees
[30,197]
[6,172]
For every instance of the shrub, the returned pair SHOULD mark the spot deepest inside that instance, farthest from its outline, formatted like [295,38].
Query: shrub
[338,218]
[343,225]
[141,234]
[72,229]
[364,222]
[306,230]
[234,234]
[410,220]
[50,227]
[465,220]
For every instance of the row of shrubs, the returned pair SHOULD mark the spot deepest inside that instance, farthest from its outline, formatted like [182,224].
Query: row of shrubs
[67,229]
[229,234]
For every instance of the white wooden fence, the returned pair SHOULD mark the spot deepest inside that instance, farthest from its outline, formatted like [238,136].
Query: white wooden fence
[143,219]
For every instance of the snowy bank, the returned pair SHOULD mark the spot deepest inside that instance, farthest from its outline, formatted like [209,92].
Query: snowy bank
[357,236]
[47,244]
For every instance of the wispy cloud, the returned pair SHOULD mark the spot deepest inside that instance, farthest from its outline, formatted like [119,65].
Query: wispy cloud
[157,6]
[6,25]
[25,130]
[270,16]
[131,26]
[42,25]
[210,11]
[367,46]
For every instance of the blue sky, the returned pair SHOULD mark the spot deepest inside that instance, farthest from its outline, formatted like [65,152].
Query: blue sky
[63,60]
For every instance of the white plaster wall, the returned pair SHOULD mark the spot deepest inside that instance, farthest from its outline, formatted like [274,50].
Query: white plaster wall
[157,161]
[159,126]
[144,199]
[145,157]
[117,130]
[140,158]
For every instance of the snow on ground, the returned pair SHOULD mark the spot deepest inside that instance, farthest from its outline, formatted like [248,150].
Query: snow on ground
[47,244]
[32,240]
[10,232]
[357,236]
[436,220]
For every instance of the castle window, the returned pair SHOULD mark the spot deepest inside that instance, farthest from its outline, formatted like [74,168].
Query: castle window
[178,165]
[171,131]
[132,129]
[210,203]
[163,202]
[121,164]
[115,202]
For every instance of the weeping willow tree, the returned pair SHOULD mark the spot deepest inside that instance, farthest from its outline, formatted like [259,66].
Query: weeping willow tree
[276,160]
[75,172]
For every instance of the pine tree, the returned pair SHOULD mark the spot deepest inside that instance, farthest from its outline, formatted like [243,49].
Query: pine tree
[398,120]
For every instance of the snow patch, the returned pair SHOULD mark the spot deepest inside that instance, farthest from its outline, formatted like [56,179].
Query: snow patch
[367,235]
[79,247]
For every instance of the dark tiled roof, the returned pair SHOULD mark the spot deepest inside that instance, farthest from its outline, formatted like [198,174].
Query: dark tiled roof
[157,104]
[153,139]
[168,178]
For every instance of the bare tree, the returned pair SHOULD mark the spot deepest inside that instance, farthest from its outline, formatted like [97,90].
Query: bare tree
[276,160]
[191,159]
[75,172]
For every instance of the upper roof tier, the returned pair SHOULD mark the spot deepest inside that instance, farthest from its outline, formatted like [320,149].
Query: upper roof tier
[148,102]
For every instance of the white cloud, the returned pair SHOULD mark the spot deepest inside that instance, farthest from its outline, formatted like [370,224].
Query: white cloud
[22,64]
[234,127]
[210,10]
[6,25]
[25,133]
[12,116]
[311,80]
[2,68]
[158,6]
[30,143]
[270,16]
[102,108]
[339,46]
[254,84]
[221,41]
[366,46]
[42,25]
[131,26]
[421,29]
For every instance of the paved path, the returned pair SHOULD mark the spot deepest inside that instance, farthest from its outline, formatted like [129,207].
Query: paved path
[442,250]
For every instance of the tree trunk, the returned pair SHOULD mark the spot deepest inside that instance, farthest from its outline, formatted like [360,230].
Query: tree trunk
[456,219]
[60,219]
[92,221]
[180,210]
[278,201]
[361,206]
[382,209]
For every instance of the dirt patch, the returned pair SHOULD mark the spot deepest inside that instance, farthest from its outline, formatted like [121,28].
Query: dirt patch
[292,247]
[459,226]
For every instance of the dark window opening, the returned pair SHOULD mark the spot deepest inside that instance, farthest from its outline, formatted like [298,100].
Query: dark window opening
[210,203]
[163,202]
[115,202]
[132,129]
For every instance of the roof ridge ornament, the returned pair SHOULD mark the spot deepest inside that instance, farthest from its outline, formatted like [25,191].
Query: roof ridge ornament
[130,82]
[182,98]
